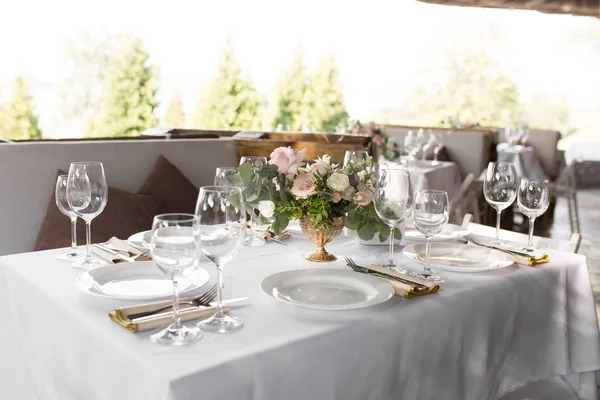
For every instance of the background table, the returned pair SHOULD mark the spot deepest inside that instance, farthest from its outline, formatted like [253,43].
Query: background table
[481,336]
[443,176]
[524,158]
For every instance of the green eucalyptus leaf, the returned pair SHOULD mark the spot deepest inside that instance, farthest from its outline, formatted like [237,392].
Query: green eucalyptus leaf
[366,232]
[383,235]
[245,172]
[397,234]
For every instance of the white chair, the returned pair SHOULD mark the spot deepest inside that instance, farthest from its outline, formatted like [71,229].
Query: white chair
[571,245]
[566,186]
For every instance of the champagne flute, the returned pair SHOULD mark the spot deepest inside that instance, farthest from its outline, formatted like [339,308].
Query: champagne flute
[175,251]
[533,200]
[393,203]
[257,163]
[87,194]
[355,157]
[222,227]
[500,189]
[221,175]
[64,207]
[430,217]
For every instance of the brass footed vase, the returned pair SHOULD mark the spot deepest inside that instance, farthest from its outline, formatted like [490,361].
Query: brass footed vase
[321,236]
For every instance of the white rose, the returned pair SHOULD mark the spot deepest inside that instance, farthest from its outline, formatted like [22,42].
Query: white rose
[338,182]
[348,194]
[266,208]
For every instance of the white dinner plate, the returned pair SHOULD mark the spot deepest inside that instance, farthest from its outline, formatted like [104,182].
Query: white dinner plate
[137,240]
[141,280]
[457,257]
[327,289]
[450,232]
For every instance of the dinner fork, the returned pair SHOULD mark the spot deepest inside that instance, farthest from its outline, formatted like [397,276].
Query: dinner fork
[202,300]
[511,252]
[364,270]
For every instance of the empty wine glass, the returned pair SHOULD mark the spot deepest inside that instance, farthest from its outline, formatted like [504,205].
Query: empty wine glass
[393,203]
[412,147]
[222,227]
[63,205]
[87,194]
[500,189]
[175,251]
[221,175]
[533,200]
[427,143]
[353,157]
[437,142]
[430,217]
[257,163]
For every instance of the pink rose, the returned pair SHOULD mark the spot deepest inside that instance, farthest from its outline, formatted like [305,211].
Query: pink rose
[378,139]
[287,160]
[364,195]
[336,197]
[303,186]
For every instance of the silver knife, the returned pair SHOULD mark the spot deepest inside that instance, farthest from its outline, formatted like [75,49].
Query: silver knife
[212,304]
[113,252]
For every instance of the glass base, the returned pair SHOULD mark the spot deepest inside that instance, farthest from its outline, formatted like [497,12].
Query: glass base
[183,336]
[253,241]
[394,267]
[88,264]
[222,323]
[428,276]
[71,256]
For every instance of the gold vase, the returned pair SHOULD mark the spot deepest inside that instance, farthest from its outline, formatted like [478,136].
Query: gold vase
[321,236]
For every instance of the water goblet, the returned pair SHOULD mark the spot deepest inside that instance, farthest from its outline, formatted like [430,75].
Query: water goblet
[221,175]
[87,194]
[427,143]
[533,200]
[64,207]
[393,203]
[437,141]
[500,189]
[355,157]
[175,251]
[412,147]
[430,217]
[257,163]
[222,228]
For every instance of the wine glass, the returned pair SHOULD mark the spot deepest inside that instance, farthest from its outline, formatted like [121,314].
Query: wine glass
[257,163]
[393,203]
[430,217]
[437,141]
[64,207]
[353,157]
[427,143]
[500,189]
[411,146]
[175,251]
[222,227]
[533,200]
[87,194]
[221,175]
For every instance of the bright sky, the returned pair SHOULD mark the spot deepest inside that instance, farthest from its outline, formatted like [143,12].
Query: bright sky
[381,45]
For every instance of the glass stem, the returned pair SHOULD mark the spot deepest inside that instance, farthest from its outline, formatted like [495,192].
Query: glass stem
[530,241]
[176,318]
[219,313]
[427,267]
[435,154]
[498,226]
[73,235]
[88,240]
[391,254]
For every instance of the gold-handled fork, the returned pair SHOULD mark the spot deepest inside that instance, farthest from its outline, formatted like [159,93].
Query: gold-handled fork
[202,300]
[364,270]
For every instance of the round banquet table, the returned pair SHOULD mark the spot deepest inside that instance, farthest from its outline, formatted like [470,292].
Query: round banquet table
[524,158]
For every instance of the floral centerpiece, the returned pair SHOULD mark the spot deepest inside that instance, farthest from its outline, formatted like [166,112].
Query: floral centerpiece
[386,145]
[322,195]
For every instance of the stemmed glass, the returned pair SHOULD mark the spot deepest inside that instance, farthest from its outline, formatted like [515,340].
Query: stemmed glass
[87,194]
[256,163]
[500,189]
[437,141]
[393,203]
[175,251]
[533,200]
[352,157]
[222,227]
[64,207]
[427,143]
[430,217]
[411,146]
[221,175]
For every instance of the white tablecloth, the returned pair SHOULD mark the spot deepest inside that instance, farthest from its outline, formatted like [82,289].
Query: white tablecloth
[524,158]
[481,336]
[444,176]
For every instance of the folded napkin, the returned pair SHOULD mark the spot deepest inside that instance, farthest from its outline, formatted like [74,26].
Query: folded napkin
[522,257]
[120,316]
[404,289]
[116,245]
